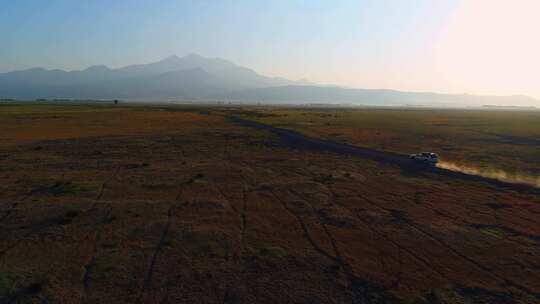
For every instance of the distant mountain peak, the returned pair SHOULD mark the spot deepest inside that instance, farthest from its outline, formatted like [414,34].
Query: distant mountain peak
[38,69]
[96,68]
[193,55]
[171,58]
[175,58]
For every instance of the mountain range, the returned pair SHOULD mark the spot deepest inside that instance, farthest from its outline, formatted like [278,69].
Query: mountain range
[194,77]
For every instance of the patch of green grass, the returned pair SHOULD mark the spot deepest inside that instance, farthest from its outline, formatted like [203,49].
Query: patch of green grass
[109,263]
[275,252]
[136,232]
[200,182]
[325,179]
[207,248]
[155,186]
[199,179]
[477,233]
[6,285]
[494,232]
[61,187]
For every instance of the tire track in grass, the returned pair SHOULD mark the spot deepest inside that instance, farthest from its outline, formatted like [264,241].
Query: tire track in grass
[227,198]
[418,227]
[473,211]
[33,230]
[240,213]
[106,182]
[89,266]
[13,207]
[159,247]
[362,291]
[358,286]
[26,196]
[375,231]
[243,215]
[309,176]
[456,252]
[305,230]
[147,279]
[401,248]
[226,158]
[337,253]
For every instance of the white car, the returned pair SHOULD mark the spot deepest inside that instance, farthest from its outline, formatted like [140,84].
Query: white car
[425,157]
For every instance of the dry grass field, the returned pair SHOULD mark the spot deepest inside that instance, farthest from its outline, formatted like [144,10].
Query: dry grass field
[134,204]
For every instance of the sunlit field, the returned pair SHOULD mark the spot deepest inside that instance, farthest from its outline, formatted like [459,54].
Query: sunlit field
[169,204]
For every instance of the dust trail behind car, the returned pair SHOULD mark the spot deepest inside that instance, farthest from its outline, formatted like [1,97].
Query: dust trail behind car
[515,178]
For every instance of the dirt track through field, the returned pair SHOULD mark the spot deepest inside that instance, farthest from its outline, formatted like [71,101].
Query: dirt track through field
[299,141]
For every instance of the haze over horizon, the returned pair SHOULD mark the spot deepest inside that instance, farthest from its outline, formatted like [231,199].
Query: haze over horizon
[475,47]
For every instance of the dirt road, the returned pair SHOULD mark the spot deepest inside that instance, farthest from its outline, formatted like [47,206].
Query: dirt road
[299,141]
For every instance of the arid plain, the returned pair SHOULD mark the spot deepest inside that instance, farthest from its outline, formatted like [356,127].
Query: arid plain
[172,204]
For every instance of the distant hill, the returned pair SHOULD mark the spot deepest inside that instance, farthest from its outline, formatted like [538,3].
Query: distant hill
[191,76]
[195,77]
[337,95]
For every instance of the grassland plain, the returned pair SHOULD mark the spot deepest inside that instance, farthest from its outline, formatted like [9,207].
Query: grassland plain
[104,204]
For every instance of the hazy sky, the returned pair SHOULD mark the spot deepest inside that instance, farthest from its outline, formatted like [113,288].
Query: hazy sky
[469,46]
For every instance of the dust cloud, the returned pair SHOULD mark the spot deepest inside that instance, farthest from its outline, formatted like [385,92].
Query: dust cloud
[515,178]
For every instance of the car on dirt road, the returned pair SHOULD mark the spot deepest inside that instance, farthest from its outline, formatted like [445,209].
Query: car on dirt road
[425,157]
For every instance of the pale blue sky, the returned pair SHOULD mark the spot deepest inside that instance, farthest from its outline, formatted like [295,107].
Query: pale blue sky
[362,43]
